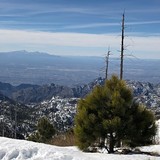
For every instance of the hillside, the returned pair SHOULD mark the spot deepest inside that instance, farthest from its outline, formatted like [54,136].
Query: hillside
[14,118]
[59,103]
[144,92]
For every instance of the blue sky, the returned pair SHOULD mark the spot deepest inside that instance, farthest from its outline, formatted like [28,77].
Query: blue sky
[80,27]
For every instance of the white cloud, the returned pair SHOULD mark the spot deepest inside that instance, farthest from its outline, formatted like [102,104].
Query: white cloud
[143,22]
[146,47]
[34,8]
[58,39]
[84,43]
[95,25]
[150,10]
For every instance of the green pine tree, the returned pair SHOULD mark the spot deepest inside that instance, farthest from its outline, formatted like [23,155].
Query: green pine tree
[45,131]
[106,114]
[141,126]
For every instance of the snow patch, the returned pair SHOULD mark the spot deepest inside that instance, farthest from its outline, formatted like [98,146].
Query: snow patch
[11,149]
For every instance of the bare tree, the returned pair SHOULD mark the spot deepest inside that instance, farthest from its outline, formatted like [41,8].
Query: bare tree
[122,47]
[107,62]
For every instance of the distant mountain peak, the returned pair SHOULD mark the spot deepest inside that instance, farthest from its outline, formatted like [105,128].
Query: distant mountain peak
[24,52]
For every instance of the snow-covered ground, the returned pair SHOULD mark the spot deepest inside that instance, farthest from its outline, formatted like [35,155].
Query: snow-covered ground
[11,149]
[157,138]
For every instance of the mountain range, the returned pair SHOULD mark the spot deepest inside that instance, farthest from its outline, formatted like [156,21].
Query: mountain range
[58,103]
[71,78]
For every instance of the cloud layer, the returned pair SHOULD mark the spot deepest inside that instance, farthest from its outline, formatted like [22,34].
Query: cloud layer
[78,43]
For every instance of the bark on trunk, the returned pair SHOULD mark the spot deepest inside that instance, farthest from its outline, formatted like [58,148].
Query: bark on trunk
[111,143]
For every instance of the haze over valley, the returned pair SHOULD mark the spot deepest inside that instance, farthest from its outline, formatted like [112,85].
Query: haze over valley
[41,68]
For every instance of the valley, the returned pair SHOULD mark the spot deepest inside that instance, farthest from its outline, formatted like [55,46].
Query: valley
[38,84]
[22,67]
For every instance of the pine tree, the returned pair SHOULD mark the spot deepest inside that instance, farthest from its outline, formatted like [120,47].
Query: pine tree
[141,125]
[106,114]
[45,131]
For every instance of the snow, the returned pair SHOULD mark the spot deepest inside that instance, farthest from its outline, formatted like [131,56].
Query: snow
[157,137]
[11,149]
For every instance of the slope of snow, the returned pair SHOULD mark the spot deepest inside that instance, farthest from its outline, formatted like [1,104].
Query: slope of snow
[157,137]
[11,149]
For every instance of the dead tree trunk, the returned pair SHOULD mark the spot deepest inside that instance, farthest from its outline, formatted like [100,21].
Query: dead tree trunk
[107,63]
[122,48]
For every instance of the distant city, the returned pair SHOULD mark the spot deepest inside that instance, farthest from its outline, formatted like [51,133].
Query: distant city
[21,67]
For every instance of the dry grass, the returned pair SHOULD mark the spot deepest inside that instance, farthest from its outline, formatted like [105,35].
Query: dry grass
[64,139]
